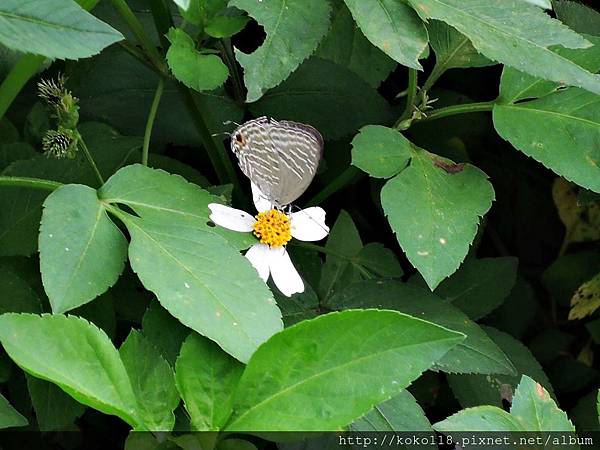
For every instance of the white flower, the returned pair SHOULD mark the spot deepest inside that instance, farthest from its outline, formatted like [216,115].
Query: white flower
[274,229]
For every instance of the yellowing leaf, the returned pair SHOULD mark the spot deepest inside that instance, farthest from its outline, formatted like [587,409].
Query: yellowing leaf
[582,222]
[586,299]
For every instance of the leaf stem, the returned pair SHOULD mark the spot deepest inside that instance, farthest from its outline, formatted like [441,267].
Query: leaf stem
[35,183]
[138,30]
[88,155]
[150,121]
[26,67]
[436,73]
[411,95]
[348,176]
[227,52]
[459,109]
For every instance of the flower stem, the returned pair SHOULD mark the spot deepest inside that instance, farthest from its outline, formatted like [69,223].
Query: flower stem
[35,183]
[150,121]
[411,95]
[88,155]
[26,67]
[459,109]
[348,176]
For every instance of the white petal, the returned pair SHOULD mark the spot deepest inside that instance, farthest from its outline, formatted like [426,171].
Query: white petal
[231,218]
[284,273]
[259,256]
[260,200]
[309,224]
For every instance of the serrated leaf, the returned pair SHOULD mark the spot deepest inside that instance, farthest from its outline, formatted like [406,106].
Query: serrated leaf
[9,416]
[380,151]
[53,28]
[434,207]
[473,390]
[378,260]
[155,194]
[535,409]
[152,380]
[15,293]
[516,34]
[54,409]
[453,49]
[73,354]
[323,373]
[578,16]
[516,85]
[82,252]
[347,46]
[560,130]
[319,87]
[294,29]
[393,27]
[480,285]
[476,354]
[586,299]
[480,418]
[154,323]
[206,379]
[201,72]
[400,413]
[582,222]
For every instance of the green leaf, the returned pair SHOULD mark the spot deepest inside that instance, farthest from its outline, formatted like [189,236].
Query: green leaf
[75,355]
[9,416]
[400,413]
[480,285]
[53,28]
[379,261]
[393,27]
[434,208]
[562,278]
[54,409]
[560,130]
[480,418]
[204,283]
[206,379]
[476,354]
[541,3]
[346,46]
[82,252]
[319,87]
[15,294]
[535,409]
[154,323]
[343,243]
[294,29]
[453,49]
[225,26]
[15,151]
[152,380]
[157,195]
[578,16]
[516,85]
[516,34]
[323,373]
[380,151]
[474,390]
[201,72]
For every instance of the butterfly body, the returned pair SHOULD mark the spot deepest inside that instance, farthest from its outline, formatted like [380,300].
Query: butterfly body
[280,157]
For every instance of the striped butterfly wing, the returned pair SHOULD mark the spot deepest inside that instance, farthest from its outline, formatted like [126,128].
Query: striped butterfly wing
[299,149]
[258,159]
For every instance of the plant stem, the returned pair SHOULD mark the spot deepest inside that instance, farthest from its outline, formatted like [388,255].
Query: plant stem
[238,86]
[459,109]
[138,30]
[26,67]
[150,121]
[35,183]
[342,180]
[411,95]
[162,20]
[88,155]
[435,74]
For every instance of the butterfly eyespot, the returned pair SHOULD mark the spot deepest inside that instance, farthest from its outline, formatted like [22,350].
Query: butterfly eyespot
[240,139]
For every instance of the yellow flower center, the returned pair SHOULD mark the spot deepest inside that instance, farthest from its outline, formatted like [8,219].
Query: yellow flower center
[273,228]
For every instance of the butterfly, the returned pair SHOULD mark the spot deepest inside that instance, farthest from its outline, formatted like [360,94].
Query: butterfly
[279,157]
